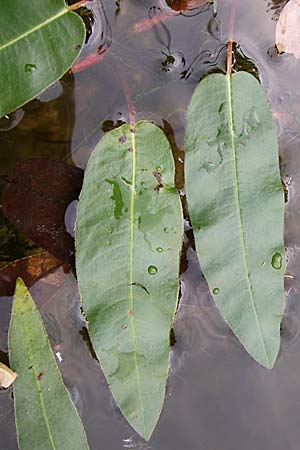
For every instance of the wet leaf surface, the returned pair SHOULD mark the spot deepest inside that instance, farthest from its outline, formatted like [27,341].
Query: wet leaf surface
[234,194]
[211,374]
[45,414]
[37,48]
[128,241]
[35,199]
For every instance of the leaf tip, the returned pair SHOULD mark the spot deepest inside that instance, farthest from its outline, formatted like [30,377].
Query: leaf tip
[20,289]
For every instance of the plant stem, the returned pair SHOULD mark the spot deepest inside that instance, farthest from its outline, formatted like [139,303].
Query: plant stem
[77,5]
[230,39]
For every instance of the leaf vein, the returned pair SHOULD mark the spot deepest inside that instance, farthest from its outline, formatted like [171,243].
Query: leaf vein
[237,192]
[131,273]
[40,393]
[34,29]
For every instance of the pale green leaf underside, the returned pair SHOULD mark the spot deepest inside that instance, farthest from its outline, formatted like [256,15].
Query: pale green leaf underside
[128,241]
[46,418]
[39,41]
[236,205]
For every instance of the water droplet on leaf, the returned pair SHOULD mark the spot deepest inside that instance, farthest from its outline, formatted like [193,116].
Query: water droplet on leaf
[216,291]
[30,67]
[159,249]
[152,270]
[166,230]
[277,261]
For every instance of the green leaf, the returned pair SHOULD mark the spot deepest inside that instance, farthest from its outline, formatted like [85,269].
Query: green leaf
[236,206]
[46,418]
[128,239]
[39,42]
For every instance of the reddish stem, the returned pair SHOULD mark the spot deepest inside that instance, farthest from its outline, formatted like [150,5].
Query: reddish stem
[77,5]
[125,88]
[89,60]
[229,58]
[230,39]
[145,24]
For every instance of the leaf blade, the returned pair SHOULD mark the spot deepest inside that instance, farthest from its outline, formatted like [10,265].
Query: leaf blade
[36,49]
[232,159]
[122,280]
[45,415]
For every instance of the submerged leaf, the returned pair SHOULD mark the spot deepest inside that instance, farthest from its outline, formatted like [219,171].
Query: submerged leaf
[35,199]
[30,269]
[128,240]
[38,44]
[45,415]
[7,376]
[236,206]
[288,29]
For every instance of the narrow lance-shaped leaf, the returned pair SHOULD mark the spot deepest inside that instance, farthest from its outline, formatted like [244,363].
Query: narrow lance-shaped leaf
[128,240]
[46,418]
[236,206]
[39,41]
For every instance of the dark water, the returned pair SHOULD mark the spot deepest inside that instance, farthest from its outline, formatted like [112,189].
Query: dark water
[217,396]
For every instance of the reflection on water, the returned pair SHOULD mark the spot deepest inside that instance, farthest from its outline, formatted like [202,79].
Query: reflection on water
[217,396]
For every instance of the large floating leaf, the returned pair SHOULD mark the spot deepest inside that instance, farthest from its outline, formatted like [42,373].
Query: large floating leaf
[46,418]
[236,206]
[39,42]
[128,241]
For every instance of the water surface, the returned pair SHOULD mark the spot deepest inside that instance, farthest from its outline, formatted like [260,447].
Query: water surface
[217,396]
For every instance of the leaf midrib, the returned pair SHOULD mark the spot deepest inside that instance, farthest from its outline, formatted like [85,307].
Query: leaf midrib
[131,271]
[34,29]
[39,389]
[237,196]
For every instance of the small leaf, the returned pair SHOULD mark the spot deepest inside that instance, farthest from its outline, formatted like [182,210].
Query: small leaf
[288,29]
[7,376]
[128,241]
[38,44]
[236,206]
[45,415]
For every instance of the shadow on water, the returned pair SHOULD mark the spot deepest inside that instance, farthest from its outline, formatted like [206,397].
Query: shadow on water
[217,396]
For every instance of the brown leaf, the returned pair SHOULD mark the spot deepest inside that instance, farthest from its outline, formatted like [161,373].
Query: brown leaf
[183,5]
[30,269]
[35,199]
